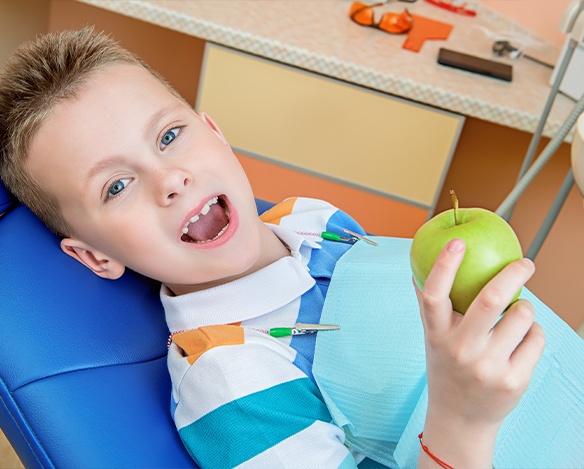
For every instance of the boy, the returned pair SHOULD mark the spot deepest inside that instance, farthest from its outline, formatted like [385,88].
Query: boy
[115,162]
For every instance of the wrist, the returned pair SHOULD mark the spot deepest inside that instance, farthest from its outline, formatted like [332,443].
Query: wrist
[432,456]
[457,444]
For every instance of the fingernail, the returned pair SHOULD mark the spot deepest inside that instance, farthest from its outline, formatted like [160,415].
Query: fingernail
[455,245]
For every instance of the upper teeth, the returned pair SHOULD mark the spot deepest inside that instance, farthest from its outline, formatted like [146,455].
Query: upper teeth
[203,211]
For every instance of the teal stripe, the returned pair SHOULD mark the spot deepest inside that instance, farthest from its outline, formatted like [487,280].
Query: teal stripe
[244,428]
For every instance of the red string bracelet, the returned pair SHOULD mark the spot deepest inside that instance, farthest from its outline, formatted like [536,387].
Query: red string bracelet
[429,453]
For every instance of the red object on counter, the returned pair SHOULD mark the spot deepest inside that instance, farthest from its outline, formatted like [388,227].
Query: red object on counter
[455,6]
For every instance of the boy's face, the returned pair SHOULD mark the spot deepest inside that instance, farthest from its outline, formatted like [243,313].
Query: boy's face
[130,164]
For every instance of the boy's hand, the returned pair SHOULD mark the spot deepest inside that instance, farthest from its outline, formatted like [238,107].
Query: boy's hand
[477,373]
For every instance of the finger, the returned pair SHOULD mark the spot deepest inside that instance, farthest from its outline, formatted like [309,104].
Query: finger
[420,301]
[511,330]
[435,304]
[527,354]
[529,351]
[496,296]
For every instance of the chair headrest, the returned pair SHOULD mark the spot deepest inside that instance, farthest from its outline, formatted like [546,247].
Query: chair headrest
[7,200]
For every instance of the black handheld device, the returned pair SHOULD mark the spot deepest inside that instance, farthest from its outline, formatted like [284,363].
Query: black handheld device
[471,63]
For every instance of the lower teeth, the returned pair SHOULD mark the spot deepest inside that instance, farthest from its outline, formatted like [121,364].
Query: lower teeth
[223,230]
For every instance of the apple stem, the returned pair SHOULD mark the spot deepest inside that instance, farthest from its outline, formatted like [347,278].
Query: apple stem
[454,205]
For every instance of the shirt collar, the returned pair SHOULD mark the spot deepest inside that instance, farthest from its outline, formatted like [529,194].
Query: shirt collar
[251,296]
[299,244]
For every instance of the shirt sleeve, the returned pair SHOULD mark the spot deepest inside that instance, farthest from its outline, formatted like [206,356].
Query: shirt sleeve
[240,402]
[302,213]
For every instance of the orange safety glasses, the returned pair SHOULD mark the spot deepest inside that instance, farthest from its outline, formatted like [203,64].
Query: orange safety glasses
[392,23]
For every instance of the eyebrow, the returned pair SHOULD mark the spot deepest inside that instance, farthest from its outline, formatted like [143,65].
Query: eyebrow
[101,166]
[153,122]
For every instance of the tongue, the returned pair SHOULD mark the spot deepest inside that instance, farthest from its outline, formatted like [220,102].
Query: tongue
[208,226]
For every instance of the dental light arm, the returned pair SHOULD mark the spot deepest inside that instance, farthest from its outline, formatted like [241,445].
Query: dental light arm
[572,22]
[571,15]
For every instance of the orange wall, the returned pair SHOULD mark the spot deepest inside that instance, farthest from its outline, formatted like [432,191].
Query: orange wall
[179,64]
[540,16]
[20,20]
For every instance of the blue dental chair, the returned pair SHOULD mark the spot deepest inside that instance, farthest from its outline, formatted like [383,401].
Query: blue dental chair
[83,377]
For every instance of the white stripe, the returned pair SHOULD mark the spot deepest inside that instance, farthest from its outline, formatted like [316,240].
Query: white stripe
[224,374]
[322,442]
[311,213]
[307,216]
[177,367]
[300,245]
[286,316]
[261,339]
[245,298]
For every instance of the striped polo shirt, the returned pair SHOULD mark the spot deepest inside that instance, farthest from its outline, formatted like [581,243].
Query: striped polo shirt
[241,398]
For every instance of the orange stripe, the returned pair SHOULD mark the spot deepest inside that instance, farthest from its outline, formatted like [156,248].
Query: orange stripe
[196,342]
[277,212]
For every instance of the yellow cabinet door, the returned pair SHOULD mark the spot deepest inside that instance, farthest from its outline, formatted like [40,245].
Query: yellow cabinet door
[381,146]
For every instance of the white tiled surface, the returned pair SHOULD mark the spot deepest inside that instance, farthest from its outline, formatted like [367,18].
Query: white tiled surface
[317,35]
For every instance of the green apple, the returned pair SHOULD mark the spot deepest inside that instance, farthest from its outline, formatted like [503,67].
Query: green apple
[491,244]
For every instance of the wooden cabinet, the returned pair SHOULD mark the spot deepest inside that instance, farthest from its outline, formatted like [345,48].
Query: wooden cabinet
[381,158]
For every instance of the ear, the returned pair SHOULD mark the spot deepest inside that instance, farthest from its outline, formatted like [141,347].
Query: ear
[94,260]
[214,127]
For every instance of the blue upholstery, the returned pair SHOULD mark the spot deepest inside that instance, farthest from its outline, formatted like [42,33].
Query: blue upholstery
[83,378]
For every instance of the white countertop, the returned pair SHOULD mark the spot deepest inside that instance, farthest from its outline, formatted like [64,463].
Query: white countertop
[317,35]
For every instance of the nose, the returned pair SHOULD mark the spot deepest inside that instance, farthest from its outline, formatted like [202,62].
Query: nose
[171,183]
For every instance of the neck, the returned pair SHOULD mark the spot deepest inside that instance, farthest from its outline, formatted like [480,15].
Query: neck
[275,249]
[272,250]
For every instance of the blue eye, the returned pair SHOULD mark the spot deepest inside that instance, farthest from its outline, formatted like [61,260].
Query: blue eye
[116,187]
[169,137]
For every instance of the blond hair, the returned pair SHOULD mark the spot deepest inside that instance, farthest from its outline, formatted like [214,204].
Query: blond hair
[39,75]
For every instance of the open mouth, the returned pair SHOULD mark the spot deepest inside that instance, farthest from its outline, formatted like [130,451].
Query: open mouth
[209,224]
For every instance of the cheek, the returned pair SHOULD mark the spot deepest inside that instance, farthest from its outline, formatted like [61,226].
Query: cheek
[123,239]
